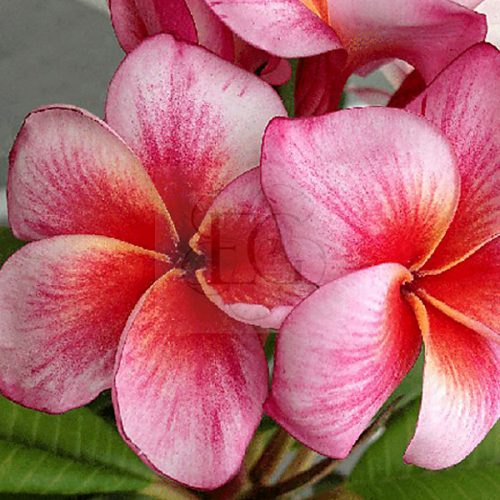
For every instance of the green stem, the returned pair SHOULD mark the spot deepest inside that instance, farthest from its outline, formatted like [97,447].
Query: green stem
[271,457]
[304,458]
[320,470]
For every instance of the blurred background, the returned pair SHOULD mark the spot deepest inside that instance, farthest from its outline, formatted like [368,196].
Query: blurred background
[51,51]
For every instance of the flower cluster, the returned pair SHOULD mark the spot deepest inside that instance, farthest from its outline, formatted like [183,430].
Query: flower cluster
[167,239]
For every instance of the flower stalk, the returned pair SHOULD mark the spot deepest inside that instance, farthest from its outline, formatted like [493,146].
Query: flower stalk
[265,467]
[315,473]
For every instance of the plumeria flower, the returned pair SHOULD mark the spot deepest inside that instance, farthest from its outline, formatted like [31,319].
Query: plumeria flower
[108,295]
[192,21]
[347,35]
[396,218]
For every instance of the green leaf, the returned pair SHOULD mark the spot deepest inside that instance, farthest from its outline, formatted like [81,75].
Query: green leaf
[8,244]
[287,91]
[382,475]
[103,407]
[76,452]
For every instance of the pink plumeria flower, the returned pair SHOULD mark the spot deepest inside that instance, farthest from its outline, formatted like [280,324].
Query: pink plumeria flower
[192,21]
[397,219]
[345,35]
[109,296]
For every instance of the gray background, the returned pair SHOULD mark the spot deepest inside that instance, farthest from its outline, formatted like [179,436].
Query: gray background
[51,51]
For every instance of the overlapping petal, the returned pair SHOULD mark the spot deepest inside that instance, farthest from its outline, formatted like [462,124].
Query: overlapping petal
[461,393]
[247,273]
[319,83]
[428,34]
[286,28]
[340,354]
[411,87]
[189,384]
[212,32]
[192,21]
[357,188]
[64,302]
[463,103]
[70,174]
[469,291]
[135,20]
[194,120]
[273,70]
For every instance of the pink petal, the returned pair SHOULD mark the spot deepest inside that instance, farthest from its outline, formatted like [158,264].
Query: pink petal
[191,21]
[212,32]
[273,70]
[194,120]
[464,103]
[370,96]
[189,384]
[339,355]
[286,28]
[396,71]
[70,174]
[64,302]
[428,34]
[319,83]
[277,71]
[135,20]
[411,87]
[371,66]
[469,291]
[470,4]
[357,188]
[461,395]
[247,274]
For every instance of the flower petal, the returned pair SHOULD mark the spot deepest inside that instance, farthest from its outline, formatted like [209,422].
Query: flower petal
[189,384]
[286,28]
[411,87]
[470,4]
[339,355]
[464,103]
[212,32]
[357,188]
[277,71]
[135,20]
[248,274]
[428,34]
[319,84]
[70,174]
[64,302]
[194,120]
[469,291]
[273,70]
[369,96]
[461,396]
